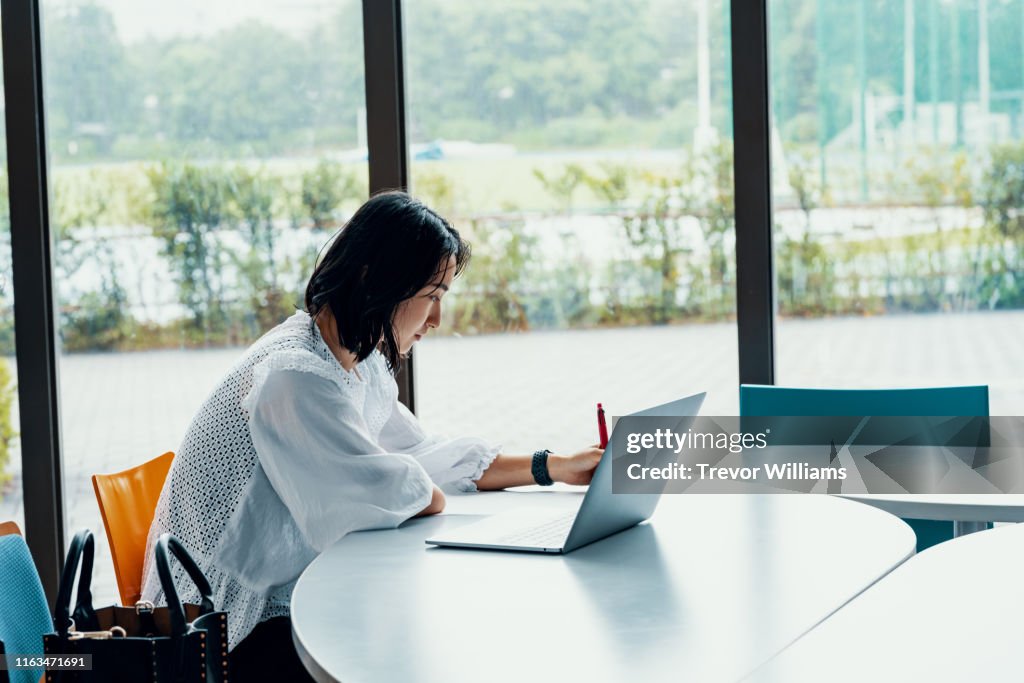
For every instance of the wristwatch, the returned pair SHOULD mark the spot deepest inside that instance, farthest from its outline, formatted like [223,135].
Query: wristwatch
[540,468]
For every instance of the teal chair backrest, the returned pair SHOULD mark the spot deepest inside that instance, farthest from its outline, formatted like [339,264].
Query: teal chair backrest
[759,399]
[24,614]
[768,401]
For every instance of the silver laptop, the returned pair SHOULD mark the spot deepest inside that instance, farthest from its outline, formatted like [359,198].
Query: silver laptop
[601,514]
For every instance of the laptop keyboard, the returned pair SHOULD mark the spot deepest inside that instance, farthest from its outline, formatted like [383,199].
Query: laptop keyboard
[550,534]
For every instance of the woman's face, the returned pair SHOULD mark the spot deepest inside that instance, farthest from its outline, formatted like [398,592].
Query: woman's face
[422,312]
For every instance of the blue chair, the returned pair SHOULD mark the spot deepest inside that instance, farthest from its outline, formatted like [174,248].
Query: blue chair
[764,400]
[24,614]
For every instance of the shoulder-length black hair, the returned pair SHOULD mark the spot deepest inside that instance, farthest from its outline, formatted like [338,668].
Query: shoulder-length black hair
[390,249]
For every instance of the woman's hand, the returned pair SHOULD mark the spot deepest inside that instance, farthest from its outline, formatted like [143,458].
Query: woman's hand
[577,468]
[436,504]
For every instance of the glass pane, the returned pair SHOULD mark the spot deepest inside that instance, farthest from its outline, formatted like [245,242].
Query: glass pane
[898,191]
[585,150]
[202,152]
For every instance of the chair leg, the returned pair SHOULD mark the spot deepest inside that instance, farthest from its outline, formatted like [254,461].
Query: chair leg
[964,528]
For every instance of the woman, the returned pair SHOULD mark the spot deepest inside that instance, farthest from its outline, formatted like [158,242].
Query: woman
[304,440]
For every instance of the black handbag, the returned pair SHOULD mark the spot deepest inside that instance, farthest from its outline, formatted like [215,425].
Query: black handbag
[177,643]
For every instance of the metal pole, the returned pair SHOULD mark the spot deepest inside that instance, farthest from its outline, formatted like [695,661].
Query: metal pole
[954,52]
[824,120]
[984,82]
[933,66]
[704,134]
[908,71]
[862,87]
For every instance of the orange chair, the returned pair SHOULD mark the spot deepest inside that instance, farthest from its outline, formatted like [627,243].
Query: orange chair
[127,503]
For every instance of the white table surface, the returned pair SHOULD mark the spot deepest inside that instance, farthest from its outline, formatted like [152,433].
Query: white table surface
[954,507]
[709,589]
[952,613]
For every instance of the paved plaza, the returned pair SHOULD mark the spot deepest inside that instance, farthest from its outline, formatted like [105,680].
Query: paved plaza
[534,390]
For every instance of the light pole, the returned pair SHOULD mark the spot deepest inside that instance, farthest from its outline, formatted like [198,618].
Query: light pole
[954,52]
[822,84]
[705,134]
[984,86]
[933,66]
[908,72]
[862,78]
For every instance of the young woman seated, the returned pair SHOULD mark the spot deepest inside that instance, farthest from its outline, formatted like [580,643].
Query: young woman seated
[304,440]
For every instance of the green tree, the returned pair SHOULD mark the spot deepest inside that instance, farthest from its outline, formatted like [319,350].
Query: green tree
[806,276]
[494,293]
[89,83]
[658,231]
[612,186]
[1002,201]
[708,195]
[324,188]
[434,188]
[485,74]
[563,185]
[253,196]
[96,319]
[333,75]
[189,205]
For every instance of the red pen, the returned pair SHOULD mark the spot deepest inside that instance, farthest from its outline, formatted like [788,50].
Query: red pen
[602,428]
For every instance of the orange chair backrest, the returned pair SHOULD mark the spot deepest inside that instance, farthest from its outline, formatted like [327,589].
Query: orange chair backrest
[7,528]
[127,503]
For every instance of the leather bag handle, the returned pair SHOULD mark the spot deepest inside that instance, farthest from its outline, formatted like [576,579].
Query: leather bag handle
[82,550]
[166,546]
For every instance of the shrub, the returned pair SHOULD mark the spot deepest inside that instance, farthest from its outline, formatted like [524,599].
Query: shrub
[8,436]
[324,188]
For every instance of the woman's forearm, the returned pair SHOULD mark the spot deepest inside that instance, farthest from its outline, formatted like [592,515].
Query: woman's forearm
[505,471]
[516,470]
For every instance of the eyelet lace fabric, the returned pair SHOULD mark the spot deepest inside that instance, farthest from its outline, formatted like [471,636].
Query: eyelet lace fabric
[287,454]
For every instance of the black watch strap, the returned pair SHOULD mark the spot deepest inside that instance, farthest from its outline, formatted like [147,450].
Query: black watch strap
[540,468]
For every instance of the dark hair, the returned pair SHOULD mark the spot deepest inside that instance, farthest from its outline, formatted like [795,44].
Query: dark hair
[386,252]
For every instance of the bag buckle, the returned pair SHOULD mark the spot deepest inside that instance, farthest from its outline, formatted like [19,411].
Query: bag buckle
[114,632]
[144,606]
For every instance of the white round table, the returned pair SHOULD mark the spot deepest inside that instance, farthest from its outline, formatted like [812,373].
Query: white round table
[968,512]
[709,589]
[950,614]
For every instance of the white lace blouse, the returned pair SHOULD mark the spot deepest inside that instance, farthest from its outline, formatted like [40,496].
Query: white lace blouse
[289,453]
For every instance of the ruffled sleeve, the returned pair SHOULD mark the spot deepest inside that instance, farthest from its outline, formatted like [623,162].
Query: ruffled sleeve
[315,448]
[451,463]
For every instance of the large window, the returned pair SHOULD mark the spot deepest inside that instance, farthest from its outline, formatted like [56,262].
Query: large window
[585,151]
[899,186]
[201,154]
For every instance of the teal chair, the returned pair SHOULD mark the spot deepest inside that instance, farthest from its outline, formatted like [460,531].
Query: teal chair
[765,400]
[24,614]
